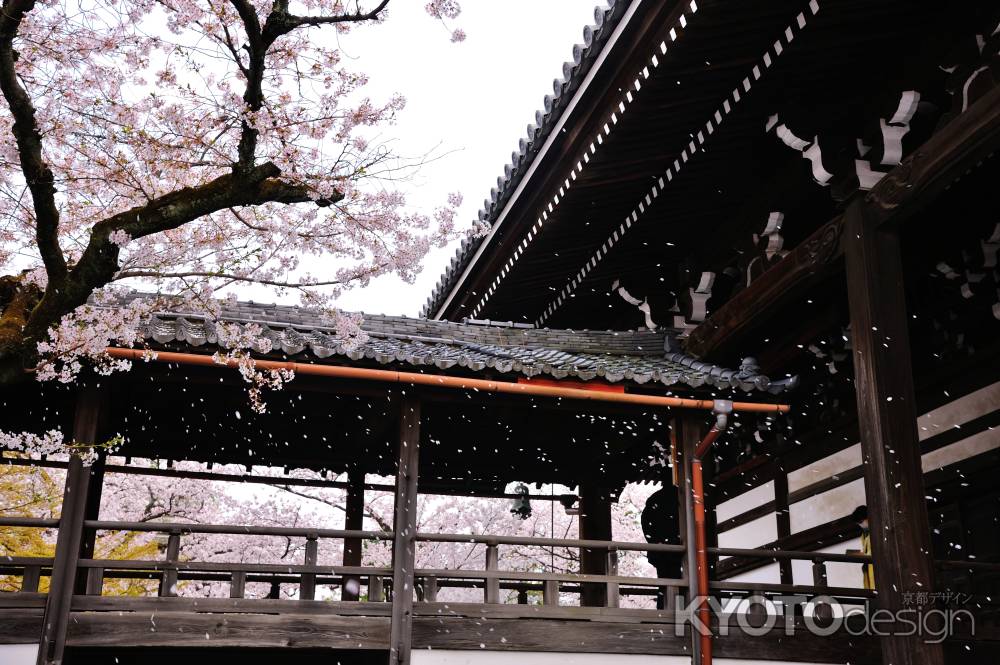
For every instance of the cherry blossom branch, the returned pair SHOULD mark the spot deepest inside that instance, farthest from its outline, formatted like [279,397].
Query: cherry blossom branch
[37,174]
[99,262]
[287,22]
[155,274]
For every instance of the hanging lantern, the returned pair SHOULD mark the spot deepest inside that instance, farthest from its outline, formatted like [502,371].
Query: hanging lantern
[522,506]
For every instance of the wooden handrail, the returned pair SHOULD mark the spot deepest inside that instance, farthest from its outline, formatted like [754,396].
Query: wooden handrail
[230,566]
[185,527]
[526,576]
[545,542]
[30,522]
[19,561]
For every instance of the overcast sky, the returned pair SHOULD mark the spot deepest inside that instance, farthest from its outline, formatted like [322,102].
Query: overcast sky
[468,102]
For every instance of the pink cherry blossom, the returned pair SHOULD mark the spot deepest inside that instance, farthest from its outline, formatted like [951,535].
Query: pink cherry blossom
[190,148]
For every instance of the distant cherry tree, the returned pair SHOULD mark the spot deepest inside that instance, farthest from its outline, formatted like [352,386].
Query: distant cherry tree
[189,147]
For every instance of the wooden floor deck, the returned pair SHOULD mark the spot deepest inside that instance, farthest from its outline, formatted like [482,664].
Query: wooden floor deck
[102,623]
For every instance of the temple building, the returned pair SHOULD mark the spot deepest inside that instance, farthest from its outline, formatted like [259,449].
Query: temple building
[746,252]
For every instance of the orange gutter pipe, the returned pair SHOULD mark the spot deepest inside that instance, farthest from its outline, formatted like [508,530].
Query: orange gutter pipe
[442,381]
[722,410]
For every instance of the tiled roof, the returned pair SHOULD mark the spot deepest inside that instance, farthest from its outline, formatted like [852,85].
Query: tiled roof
[573,73]
[638,357]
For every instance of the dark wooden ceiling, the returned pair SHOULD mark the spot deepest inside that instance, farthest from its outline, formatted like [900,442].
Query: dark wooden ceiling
[837,76]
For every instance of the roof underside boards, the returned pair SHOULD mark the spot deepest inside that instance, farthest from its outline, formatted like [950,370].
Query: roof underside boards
[632,357]
[599,90]
[736,62]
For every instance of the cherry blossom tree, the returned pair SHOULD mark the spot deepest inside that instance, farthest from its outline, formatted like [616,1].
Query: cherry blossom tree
[194,146]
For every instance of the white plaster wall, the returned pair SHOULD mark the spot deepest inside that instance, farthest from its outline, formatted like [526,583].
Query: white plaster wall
[840,501]
[438,657]
[973,405]
[820,509]
[847,575]
[18,654]
[840,461]
[745,501]
[752,534]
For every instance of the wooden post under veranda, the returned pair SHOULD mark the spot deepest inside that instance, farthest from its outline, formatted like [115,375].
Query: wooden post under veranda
[404,530]
[90,408]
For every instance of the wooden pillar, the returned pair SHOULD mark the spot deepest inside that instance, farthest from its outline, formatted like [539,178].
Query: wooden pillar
[404,530]
[353,521]
[55,620]
[595,524]
[91,511]
[690,435]
[887,421]
[783,521]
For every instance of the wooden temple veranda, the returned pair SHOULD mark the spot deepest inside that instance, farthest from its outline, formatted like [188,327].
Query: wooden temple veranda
[790,202]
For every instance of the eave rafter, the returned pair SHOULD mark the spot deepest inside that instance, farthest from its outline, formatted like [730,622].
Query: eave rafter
[701,135]
[669,36]
[940,161]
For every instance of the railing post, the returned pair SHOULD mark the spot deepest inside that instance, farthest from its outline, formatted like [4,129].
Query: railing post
[430,585]
[819,573]
[823,611]
[30,578]
[669,598]
[95,582]
[307,585]
[237,586]
[612,587]
[376,589]
[550,593]
[492,586]
[168,585]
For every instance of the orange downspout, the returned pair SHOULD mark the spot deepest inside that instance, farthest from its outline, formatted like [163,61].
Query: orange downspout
[722,410]
[442,381]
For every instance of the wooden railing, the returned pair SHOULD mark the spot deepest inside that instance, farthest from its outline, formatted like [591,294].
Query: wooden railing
[308,574]
[30,569]
[491,579]
[171,570]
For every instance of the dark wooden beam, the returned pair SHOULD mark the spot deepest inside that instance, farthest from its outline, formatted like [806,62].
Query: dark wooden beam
[595,524]
[887,420]
[90,403]
[813,259]
[969,138]
[354,517]
[925,174]
[405,529]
